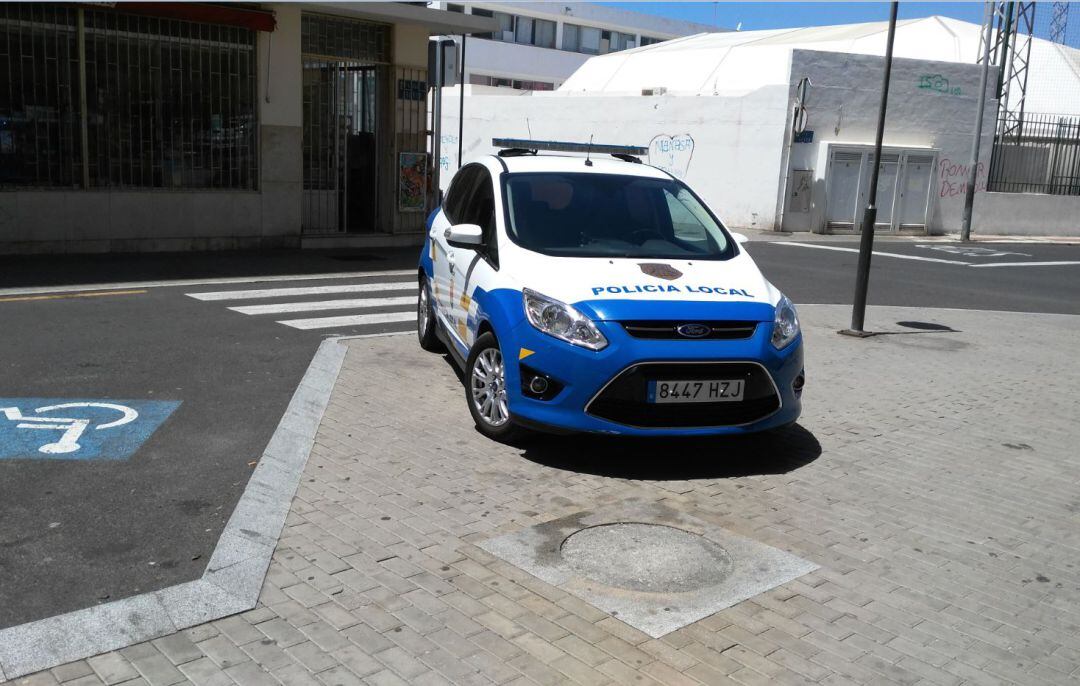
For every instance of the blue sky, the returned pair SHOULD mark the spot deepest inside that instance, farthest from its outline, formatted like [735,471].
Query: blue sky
[773,15]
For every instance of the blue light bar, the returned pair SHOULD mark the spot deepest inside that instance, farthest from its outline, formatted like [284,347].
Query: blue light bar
[565,146]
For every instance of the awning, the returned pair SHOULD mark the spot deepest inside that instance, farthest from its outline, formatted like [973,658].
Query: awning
[205,12]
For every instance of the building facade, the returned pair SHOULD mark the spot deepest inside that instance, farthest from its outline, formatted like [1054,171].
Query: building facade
[175,126]
[538,45]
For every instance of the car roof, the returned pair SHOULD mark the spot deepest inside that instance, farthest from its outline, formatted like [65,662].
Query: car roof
[601,164]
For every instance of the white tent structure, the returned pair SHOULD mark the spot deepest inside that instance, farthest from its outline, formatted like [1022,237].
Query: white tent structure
[737,62]
[725,112]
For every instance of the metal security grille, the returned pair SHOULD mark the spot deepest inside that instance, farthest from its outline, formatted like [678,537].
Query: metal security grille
[171,103]
[39,96]
[344,38]
[344,71]
[168,103]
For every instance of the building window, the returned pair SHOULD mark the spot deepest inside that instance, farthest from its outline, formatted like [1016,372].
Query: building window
[460,9]
[500,82]
[583,39]
[649,40]
[614,41]
[521,30]
[346,38]
[169,103]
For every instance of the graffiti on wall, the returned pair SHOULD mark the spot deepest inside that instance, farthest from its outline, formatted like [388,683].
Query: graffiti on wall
[937,82]
[672,153]
[954,177]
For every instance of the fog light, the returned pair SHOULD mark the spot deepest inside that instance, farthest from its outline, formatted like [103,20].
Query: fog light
[538,385]
[798,384]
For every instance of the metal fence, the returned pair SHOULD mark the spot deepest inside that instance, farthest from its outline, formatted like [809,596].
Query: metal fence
[168,103]
[1043,158]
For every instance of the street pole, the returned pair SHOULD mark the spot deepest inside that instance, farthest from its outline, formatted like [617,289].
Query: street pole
[461,102]
[969,195]
[866,244]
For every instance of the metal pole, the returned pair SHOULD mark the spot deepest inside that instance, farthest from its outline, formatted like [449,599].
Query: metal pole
[866,245]
[83,126]
[969,195]
[436,129]
[461,102]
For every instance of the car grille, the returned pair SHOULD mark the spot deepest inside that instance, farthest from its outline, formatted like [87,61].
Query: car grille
[623,400]
[663,329]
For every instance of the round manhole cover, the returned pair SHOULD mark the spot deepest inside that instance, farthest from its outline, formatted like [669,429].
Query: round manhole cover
[646,557]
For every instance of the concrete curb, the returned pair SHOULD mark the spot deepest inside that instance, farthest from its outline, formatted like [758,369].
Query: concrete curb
[233,577]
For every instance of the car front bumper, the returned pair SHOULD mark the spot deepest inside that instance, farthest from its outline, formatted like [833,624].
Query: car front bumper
[603,391]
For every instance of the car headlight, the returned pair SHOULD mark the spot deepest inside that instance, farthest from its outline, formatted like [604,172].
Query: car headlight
[562,321]
[785,323]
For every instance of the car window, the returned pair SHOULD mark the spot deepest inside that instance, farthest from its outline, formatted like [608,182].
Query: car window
[480,210]
[610,215]
[457,197]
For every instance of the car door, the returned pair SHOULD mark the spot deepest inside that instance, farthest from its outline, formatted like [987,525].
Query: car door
[470,267]
[442,254]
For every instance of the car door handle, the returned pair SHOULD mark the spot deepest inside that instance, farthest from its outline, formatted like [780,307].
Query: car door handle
[450,260]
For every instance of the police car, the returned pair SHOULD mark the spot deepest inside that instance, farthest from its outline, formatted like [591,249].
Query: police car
[594,293]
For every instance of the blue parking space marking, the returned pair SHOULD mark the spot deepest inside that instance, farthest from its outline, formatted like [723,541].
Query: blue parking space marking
[77,428]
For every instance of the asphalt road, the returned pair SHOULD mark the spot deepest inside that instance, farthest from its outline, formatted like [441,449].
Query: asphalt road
[79,532]
[826,274]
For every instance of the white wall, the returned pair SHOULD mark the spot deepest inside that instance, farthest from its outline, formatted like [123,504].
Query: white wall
[1025,214]
[727,149]
[842,106]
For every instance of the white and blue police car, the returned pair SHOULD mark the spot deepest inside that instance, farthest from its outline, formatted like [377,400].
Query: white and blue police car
[589,294]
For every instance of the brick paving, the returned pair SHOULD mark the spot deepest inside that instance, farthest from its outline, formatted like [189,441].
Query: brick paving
[935,479]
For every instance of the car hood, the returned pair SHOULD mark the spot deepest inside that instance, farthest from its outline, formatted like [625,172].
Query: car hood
[623,288]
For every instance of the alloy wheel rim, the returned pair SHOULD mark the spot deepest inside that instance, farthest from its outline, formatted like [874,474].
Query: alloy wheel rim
[423,311]
[488,385]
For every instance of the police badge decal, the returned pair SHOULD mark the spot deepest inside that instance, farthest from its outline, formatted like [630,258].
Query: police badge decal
[660,271]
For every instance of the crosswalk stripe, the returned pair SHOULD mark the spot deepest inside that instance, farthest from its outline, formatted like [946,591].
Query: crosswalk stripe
[349,320]
[343,304]
[309,290]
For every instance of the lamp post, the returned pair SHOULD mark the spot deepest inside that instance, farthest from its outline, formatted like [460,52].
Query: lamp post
[973,169]
[866,244]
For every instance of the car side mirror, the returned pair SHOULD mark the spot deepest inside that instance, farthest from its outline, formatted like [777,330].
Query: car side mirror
[740,238]
[468,236]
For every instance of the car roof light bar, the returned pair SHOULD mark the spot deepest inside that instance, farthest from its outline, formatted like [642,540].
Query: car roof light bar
[566,146]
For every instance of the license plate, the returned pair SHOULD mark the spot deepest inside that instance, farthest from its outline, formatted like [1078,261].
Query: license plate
[710,391]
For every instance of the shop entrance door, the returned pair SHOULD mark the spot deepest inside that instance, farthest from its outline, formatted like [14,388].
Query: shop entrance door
[340,146]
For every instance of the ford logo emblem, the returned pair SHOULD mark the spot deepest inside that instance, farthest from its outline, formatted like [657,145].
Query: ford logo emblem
[693,330]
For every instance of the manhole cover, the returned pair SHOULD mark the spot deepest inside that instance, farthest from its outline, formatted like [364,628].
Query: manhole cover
[646,557]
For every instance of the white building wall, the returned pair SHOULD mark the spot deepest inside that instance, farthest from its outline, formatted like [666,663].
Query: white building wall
[842,107]
[727,149]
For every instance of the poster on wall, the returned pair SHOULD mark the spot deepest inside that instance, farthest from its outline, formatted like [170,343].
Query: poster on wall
[412,181]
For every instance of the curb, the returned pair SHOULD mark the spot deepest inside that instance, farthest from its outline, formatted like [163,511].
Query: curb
[234,576]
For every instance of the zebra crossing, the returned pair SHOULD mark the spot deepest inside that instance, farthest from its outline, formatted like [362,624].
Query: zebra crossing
[378,304]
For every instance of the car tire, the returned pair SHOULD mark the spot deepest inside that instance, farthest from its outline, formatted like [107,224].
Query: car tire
[425,320]
[488,406]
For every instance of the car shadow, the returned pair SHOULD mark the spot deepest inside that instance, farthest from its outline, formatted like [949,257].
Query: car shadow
[668,459]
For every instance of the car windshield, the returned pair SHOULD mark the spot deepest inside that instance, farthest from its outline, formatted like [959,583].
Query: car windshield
[608,215]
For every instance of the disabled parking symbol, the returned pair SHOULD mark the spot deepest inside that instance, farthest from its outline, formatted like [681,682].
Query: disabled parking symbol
[78,429]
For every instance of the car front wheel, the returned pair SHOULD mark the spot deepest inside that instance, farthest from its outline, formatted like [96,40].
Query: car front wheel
[486,390]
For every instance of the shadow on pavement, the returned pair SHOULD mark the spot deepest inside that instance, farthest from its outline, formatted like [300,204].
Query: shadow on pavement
[18,271]
[662,459]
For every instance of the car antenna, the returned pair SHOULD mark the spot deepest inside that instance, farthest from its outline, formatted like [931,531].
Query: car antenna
[588,153]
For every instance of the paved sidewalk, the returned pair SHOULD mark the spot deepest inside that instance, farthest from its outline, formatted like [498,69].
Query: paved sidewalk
[934,478]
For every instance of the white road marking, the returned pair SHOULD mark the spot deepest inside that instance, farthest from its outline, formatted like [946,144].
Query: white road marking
[349,320]
[972,250]
[875,252]
[200,282]
[308,290]
[344,304]
[1026,264]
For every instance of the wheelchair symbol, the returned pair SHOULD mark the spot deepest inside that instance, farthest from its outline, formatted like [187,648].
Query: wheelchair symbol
[72,427]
